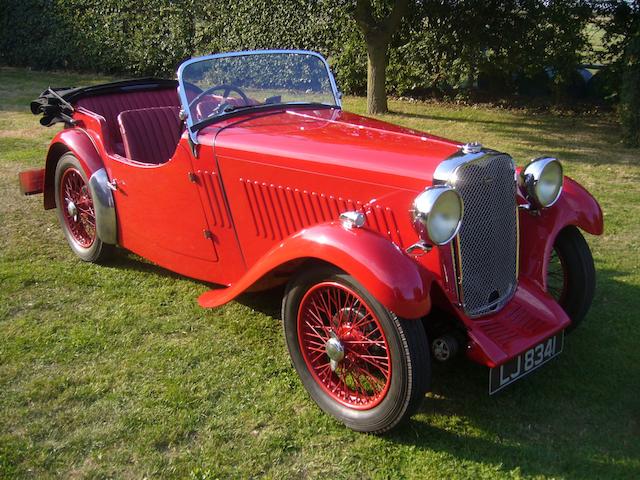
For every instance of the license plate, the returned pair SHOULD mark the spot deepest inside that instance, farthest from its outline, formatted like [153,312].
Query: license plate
[525,363]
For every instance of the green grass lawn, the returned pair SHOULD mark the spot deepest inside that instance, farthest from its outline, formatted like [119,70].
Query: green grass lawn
[115,372]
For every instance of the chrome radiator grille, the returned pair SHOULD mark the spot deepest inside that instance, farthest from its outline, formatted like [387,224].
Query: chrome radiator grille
[488,239]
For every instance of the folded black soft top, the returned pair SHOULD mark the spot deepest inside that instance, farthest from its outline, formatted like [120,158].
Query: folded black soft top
[56,103]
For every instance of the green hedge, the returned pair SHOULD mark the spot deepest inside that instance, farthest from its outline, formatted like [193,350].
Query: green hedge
[442,45]
[630,93]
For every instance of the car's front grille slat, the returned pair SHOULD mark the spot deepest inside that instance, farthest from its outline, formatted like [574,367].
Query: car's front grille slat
[488,237]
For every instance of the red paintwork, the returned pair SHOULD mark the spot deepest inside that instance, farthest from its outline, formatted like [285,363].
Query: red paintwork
[530,317]
[366,255]
[161,217]
[80,143]
[265,191]
[31,181]
[576,207]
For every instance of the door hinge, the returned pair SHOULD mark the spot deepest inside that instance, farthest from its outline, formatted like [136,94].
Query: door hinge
[207,234]
[193,178]
[194,147]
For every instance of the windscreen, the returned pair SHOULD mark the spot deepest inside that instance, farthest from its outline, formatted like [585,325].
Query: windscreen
[215,86]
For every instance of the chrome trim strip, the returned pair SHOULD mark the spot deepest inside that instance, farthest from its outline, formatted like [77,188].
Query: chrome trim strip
[457,269]
[104,206]
[445,171]
[183,96]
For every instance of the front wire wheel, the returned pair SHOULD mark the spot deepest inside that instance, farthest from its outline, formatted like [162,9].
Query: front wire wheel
[557,276]
[359,362]
[571,275]
[343,345]
[76,212]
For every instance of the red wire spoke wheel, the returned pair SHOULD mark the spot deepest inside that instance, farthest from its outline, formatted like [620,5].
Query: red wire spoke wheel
[359,362]
[343,345]
[76,211]
[557,276]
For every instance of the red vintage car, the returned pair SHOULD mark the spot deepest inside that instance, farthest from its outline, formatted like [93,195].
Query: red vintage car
[397,248]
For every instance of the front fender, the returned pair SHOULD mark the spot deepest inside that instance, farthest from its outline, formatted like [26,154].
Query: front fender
[78,142]
[392,277]
[576,206]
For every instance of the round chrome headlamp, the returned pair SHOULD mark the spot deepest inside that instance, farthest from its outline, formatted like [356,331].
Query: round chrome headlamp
[437,213]
[542,181]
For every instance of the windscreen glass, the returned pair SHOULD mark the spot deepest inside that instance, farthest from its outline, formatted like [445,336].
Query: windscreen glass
[216,86]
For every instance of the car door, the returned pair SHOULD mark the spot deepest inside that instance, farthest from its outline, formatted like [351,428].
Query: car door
[161,217]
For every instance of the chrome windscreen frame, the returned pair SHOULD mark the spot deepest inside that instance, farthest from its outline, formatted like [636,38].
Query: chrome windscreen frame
[193,136]
[446,174]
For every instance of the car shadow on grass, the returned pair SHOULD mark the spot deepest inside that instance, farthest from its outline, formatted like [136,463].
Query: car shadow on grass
[123,259]
[268,302]
[577,417]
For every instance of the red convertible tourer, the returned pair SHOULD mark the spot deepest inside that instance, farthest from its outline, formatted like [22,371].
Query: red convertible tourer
[397,248]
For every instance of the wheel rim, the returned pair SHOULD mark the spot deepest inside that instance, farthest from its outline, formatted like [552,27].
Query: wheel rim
[343,345]
[77,208]
[557,276]
[441,350]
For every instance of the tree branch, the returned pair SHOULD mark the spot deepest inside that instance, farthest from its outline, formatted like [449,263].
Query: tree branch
[392,22]
[380,29]
[363,16]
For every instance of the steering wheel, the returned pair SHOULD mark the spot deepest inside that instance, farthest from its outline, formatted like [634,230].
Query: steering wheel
[227,89]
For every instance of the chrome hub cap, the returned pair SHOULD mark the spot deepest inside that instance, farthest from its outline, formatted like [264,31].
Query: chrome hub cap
[335,351]
[72,210]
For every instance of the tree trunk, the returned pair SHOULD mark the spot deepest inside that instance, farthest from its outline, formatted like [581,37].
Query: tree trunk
[377,33]
[376,77]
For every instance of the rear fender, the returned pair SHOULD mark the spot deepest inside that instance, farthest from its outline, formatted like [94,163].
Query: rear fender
[576,206]
[394,279]
[80,144]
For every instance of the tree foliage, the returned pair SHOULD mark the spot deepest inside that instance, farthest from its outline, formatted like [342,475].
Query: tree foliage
[442,45]
[620,20]
[630,93]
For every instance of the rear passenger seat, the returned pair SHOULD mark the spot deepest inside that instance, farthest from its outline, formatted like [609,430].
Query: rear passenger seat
[150,135]
[110,105]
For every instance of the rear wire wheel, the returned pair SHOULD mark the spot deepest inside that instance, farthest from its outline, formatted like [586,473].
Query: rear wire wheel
[571,275]
[358,361]
[76,211]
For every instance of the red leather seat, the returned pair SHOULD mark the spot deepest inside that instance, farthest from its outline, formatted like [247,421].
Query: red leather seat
[206,107]
[110,105]
[150,135]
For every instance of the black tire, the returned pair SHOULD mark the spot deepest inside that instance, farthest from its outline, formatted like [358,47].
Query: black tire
[84,242]
[571,275]
[408,350]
